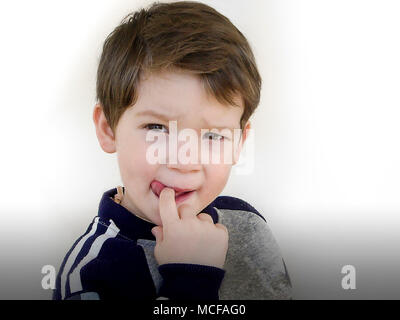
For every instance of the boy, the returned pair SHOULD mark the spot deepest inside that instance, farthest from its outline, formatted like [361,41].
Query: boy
[166,234]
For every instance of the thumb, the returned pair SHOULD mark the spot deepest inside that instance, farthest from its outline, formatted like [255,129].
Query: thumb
[158,233]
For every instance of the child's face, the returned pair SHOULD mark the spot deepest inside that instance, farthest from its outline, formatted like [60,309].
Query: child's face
[179,97]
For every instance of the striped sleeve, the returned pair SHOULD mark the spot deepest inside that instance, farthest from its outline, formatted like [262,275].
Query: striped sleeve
[103,265]
[76,253]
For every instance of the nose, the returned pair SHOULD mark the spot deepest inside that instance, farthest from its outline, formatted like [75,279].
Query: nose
[185,158]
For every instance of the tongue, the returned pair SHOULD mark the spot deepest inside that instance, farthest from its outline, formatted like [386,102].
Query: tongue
[157,187]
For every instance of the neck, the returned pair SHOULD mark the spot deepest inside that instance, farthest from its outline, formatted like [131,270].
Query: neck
[127,207]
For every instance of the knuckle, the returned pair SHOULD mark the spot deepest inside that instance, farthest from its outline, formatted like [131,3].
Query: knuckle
[204,216]
[224,232]
[221,226]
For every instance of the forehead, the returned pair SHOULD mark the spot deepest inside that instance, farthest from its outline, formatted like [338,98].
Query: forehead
[181,95]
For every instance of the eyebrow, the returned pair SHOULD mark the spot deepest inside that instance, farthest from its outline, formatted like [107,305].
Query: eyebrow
[153,114]
[166,118]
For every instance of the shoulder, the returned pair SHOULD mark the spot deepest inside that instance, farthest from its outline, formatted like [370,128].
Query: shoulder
[235,204]
[99,237]
[242,219]
[78,251]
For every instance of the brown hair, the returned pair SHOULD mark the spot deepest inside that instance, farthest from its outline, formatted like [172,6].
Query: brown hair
[185,35]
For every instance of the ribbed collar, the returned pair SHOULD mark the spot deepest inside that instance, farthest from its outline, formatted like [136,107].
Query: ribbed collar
[130,225]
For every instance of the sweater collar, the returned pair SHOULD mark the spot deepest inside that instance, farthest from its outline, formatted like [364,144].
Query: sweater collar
[130,225]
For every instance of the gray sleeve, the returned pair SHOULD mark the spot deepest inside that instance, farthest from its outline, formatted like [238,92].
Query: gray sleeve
[254,265]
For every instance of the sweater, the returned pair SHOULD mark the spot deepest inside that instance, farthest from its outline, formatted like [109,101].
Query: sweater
[114,259]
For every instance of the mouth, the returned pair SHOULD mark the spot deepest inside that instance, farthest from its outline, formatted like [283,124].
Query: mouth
[181,194]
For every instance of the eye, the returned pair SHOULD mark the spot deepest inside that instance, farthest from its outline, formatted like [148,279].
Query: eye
[213,136]
[156,127]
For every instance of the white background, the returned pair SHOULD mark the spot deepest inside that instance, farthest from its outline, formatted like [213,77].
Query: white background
[326,172]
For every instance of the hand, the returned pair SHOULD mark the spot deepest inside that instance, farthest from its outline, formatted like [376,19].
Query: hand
[189,238]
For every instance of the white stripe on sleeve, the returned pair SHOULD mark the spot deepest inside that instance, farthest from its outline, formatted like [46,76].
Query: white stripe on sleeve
[73,255]
[75,277]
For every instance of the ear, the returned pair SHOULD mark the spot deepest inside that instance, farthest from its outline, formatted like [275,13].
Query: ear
[104,133]
[243,137]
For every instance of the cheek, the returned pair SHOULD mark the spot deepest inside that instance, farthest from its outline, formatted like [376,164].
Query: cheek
[133,164]
[216,178]
[222,153]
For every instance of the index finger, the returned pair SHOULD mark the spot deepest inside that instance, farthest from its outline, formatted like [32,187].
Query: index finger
[167,205]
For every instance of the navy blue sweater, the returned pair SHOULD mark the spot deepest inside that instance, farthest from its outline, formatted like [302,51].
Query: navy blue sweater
[114,259]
